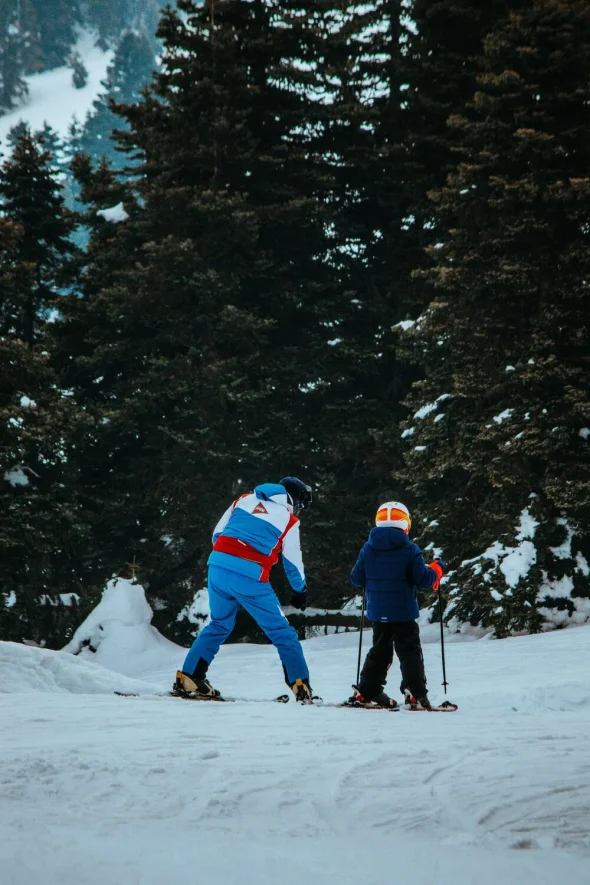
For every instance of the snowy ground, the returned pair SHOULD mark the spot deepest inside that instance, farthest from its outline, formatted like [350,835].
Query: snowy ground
[150,790]
[52,97]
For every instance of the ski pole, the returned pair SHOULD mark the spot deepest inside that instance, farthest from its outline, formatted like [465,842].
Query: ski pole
[358,666]
[442,641]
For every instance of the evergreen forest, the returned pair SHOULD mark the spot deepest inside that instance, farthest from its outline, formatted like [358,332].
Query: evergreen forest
[346,242]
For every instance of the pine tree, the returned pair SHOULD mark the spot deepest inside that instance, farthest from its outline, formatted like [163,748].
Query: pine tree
[53,144]
[40,527]
[73,142]
[13,41]
[79,71]
[31,199]
[204,341]
[109,19]
[445,42]
[371,63]
[146,16]
[27,24]
[359,127]
[501,461]
[56,22]
[16,132]
[129,72]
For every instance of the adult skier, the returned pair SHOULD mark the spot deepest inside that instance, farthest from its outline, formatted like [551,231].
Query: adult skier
[391,568]
[246,544]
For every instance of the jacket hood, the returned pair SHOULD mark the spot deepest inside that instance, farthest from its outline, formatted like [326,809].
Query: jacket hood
[272,491]
[387,538]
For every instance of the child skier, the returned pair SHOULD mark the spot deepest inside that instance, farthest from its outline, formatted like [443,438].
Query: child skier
[391,568]
[246,544]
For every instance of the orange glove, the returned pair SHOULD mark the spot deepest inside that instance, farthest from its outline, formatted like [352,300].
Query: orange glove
[438,567]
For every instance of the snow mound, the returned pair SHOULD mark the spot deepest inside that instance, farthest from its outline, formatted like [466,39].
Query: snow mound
[25,669]
[118,633]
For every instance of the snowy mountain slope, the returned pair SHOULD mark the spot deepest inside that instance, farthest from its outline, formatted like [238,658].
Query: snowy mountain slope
[52,97]
[155,790]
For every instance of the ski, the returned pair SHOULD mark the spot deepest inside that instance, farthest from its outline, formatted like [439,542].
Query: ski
[354,706]
[445,707]
[169,694]
[281,699]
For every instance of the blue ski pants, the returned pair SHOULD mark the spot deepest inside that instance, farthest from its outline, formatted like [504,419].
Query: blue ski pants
[228,590]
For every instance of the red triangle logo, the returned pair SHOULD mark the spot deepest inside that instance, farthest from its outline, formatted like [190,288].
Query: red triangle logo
[260,508]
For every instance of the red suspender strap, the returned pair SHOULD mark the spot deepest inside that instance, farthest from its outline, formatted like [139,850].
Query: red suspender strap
[274,554]
[238,548]
[235,547]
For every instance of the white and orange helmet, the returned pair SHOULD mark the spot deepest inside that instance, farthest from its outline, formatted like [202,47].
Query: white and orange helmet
[394,515]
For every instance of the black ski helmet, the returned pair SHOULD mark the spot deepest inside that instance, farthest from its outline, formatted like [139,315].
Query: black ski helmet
[298,492]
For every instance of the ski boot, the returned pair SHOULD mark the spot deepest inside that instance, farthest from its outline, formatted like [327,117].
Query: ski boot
[302,691]
[413,703]
[379,700]
[186,686]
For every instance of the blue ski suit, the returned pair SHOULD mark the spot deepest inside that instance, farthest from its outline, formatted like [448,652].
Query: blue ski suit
[247,542]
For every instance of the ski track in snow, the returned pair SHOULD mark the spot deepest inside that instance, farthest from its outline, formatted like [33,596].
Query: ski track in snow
[150,790]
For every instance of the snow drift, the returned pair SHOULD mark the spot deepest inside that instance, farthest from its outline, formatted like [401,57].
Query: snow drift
[26,669]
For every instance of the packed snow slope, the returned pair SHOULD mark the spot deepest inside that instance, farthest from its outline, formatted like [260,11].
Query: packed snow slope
[151,790]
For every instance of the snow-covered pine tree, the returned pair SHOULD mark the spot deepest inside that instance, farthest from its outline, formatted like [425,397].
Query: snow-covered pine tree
[498,441]
[40,527]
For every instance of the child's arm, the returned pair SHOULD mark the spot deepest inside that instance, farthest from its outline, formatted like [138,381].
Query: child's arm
[357,575]
[426,576]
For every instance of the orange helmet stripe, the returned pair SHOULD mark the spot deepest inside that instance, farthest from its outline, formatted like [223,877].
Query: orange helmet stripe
[386,514]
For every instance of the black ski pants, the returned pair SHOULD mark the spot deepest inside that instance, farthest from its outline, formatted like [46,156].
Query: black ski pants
[403,637]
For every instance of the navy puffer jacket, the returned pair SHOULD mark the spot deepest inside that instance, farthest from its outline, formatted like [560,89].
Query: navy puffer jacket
[392,568]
